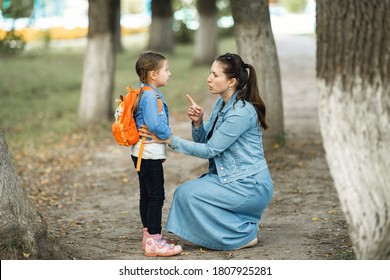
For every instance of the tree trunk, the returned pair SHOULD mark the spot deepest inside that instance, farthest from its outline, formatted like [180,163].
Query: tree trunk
[353,68]
[99,64]
[118,27]
[256,45]
[207,34]
[161,32]
[22,227]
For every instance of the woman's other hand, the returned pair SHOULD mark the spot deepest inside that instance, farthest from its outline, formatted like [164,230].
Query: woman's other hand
[195,112]
[143,131]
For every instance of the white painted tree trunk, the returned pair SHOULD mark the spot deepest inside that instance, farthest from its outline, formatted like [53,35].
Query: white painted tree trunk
[256,45]
[206,36]
[353,63]
[99,64]
[355,127]
[98,80]
[22,227]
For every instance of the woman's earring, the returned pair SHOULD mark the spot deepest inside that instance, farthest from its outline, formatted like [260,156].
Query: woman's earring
[230,88]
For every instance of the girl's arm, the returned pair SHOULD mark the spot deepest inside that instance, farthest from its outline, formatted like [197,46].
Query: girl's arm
[156,123]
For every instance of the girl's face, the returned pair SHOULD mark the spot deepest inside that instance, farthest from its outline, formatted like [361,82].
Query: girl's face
[217,80]
[161,76]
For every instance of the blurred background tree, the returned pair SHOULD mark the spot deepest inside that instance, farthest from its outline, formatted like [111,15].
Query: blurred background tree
[256,45]
[160,30]
[99,65]
[206,39]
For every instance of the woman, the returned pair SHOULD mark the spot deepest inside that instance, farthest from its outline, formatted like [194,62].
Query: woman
[221,209]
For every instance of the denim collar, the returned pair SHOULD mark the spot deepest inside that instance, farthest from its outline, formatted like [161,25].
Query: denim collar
[230,102]
[155,89]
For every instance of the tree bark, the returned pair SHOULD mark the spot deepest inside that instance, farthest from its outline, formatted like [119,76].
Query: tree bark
[99,64]
[206,37]
[353,68]
[118,27]
[256,45]
[22,227]
[161,32]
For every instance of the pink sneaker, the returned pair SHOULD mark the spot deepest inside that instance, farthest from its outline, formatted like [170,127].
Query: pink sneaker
[156,245]
[146,235]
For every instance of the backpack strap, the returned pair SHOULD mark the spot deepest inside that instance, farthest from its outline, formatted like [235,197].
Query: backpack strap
[143,140]
[159,101]
[141,150]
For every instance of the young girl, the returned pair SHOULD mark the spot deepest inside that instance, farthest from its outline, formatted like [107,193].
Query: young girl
[153,71]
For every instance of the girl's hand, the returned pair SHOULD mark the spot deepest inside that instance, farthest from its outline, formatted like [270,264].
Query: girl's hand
[195,112]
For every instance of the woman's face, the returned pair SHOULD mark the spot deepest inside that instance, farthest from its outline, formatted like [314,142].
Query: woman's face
[217,80]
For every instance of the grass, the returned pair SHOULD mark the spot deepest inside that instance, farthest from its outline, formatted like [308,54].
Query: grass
[40,89]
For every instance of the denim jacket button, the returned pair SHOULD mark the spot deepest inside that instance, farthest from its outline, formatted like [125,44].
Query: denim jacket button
[222,168]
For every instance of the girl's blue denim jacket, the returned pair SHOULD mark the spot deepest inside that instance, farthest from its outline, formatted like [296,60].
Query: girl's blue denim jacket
[235,149]
[147,113]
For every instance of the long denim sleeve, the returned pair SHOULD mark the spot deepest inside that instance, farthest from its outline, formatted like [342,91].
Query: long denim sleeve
[232,127]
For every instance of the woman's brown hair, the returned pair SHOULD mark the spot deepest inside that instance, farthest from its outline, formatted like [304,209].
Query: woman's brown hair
[234,67]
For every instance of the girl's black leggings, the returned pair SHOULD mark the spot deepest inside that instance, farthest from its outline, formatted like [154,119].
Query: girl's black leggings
[152,194]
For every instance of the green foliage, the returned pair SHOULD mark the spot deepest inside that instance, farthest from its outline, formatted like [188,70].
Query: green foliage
[182,34]
[12,43]
[17,8]
[294,6]
[186,15]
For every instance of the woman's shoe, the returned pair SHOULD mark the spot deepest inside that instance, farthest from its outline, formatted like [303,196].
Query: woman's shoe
[156,245]
[249,244]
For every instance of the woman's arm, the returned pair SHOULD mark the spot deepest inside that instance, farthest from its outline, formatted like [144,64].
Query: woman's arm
[232,127]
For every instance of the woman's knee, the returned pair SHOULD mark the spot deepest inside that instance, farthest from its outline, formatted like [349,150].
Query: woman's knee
[182,193]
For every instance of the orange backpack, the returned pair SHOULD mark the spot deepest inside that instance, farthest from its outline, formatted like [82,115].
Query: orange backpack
[124,129]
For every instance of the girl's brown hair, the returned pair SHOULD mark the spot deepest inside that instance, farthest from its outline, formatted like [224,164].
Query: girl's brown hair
[234,67]
[147,61]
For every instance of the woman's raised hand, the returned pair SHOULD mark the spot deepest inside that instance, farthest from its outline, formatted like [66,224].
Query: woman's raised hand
[195,112]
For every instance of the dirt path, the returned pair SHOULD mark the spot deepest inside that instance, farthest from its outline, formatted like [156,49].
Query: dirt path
[98,217]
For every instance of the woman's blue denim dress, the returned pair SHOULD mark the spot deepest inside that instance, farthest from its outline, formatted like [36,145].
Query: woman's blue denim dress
[221,209]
